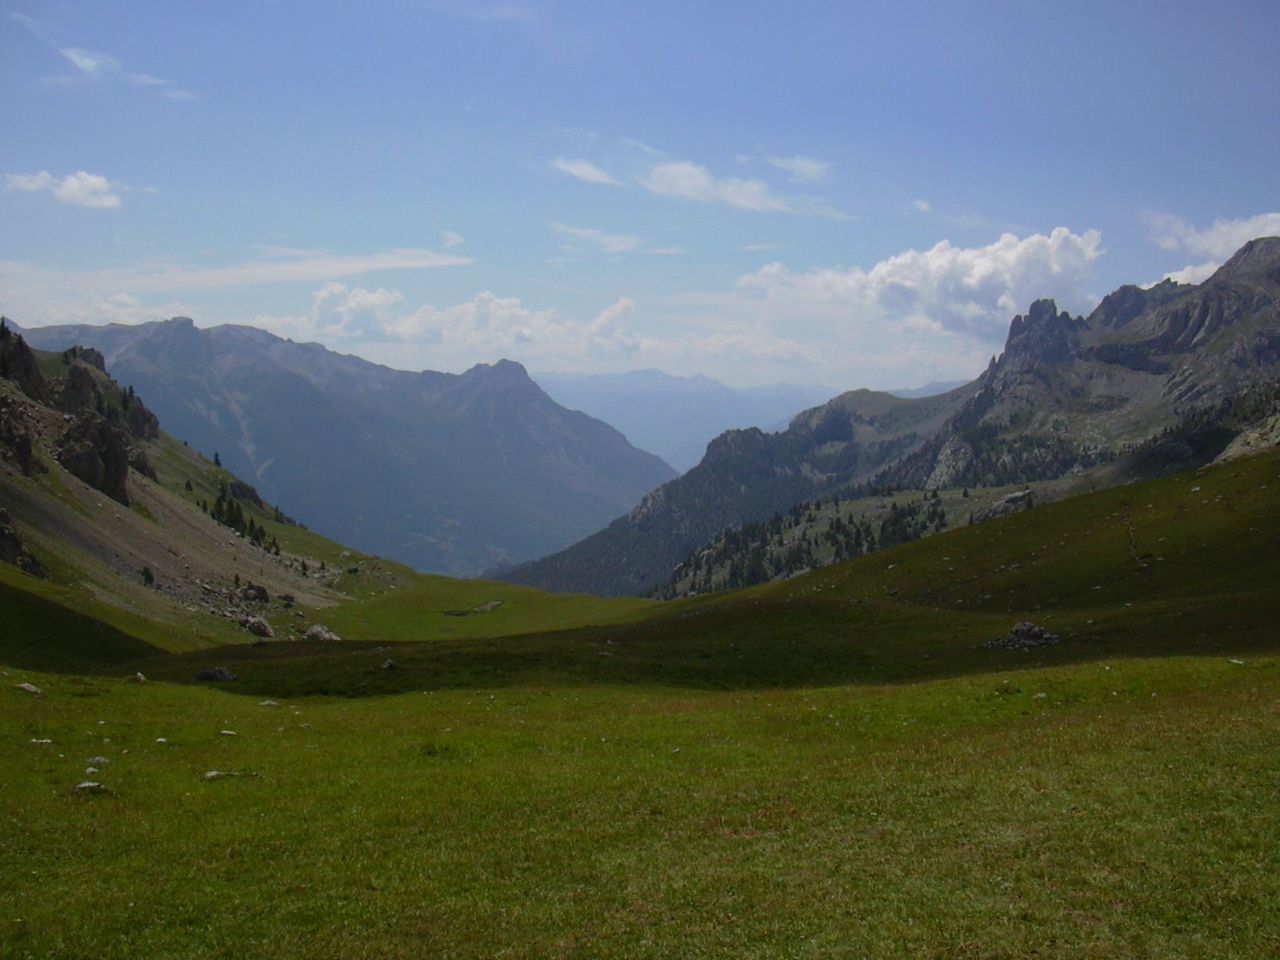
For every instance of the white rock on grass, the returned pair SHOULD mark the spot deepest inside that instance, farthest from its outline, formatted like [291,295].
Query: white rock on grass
[30,688]
[91,786]
[226,733]
[98,761]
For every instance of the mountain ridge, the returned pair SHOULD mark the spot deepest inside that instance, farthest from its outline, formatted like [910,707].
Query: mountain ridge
[1065,395]
[451,473]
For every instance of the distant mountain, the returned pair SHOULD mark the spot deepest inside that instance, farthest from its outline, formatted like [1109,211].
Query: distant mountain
[449,473]
[676,417]
[1151,372]
[930,389]
[745,475]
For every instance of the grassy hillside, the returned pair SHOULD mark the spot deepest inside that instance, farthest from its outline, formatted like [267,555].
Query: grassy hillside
[834,765]
[1182,564]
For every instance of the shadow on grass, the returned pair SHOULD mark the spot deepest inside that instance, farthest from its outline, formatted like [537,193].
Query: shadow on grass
[740,645]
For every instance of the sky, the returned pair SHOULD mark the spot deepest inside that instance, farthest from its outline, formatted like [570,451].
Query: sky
[845,194]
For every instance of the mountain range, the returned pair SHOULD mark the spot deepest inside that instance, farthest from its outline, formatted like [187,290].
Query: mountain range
[450,473]
[1067,394]
[676,417]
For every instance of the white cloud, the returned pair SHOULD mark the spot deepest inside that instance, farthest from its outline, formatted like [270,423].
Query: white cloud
[44,294]
[452,239]
[693,182]
[338,312]
[802,169]
[1196,273]
[1220,240]
[608,242]
[973,290]
[91,65]
[1217,241]
[922,206]
[88,62]
[80,189]
[584,170]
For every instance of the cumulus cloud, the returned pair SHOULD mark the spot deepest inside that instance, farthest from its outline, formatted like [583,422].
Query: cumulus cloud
[802,169]
[973,290]
[1218,241]
[1221,239]
[80,189]
[584,170]
[693,182]
[608,242]
[338,312]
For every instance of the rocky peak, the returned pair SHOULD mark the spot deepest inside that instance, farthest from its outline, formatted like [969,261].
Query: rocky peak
[1044,335]
[504,371]
[1121,306]
[87,355]
[1257,260]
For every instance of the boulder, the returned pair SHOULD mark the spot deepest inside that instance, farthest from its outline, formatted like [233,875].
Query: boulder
[253,593]
[320,634]
[1024,636]
[258,627]
[1012,503]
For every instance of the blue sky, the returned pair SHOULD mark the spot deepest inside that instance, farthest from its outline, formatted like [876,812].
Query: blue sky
[838,193]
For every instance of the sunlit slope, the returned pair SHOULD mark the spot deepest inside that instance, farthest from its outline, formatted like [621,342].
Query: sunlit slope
[1183,564]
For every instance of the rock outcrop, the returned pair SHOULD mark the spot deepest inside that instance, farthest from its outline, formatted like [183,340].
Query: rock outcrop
[98,453]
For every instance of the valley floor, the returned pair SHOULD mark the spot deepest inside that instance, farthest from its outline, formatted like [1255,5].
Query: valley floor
[839,765]
[1108,809]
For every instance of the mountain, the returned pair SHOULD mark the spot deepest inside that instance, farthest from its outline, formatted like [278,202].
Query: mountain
[745,475]
[448,473]
[110,516]
[1071,392]
[930,389]
[1152,372]
[675,417]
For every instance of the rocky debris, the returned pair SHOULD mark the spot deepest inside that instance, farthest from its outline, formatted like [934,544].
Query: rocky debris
[222,774]
[215,675]
[1012,503]
[258,627]
[317,632]
[138,677]
[1024,636]
[253,593]
[489,607]
[226,733]
[30,688]
[388,664]
[98,453]
[90,787]
[98,761]
[13,550]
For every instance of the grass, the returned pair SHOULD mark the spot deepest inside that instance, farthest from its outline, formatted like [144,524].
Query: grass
[1130,811]
[831,766]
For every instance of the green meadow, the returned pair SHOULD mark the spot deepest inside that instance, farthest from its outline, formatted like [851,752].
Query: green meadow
[833,766]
